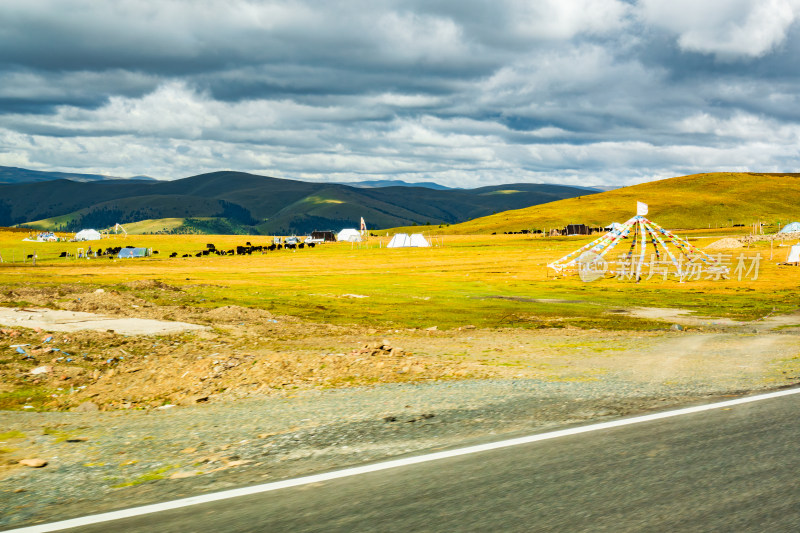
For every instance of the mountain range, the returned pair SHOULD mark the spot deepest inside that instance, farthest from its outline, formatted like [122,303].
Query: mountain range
[24,175]
[238,202]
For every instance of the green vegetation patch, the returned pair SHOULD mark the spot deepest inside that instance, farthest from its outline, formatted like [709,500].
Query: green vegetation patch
[35,397]
[147,477]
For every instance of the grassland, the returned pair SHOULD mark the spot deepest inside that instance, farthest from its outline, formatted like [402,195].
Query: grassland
[486,281]
[711,200]
[475,306]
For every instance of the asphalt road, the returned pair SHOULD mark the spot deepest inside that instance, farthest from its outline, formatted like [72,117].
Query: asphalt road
[733,469]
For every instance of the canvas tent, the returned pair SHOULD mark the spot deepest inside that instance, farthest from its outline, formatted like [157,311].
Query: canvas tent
[132,252]
[404,240]
[794,227]
[794,254]
[88,235]
[349,235]
[663,245]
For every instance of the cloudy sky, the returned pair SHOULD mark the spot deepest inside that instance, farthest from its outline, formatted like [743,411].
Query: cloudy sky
[462,92]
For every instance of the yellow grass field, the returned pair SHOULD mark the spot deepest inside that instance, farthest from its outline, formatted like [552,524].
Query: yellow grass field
[486,281]
[472,306]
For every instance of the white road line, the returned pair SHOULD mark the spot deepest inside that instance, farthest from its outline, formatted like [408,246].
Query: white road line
[347,472]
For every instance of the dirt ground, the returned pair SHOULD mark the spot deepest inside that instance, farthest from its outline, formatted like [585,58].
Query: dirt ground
[242,352]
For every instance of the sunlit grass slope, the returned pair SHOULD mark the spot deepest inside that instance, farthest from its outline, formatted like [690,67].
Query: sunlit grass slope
[687,202]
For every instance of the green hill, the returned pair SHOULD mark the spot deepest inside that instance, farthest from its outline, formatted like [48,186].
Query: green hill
[247,203]
[719,199]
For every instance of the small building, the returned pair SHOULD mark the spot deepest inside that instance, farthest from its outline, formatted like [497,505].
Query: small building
[577,229]
[326,236]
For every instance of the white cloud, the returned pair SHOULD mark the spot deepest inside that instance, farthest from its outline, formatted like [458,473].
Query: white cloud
[412,36]
[742,127]
[728,29]
[564,19]
[463,92]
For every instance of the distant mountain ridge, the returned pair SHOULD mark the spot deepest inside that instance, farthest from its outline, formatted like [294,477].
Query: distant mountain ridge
[24,175]
[238,202]
[397,183]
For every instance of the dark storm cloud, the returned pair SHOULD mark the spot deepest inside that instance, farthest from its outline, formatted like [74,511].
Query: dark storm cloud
[466,93]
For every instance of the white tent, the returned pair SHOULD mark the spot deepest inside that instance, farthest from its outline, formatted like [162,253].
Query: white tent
[400,240]
[349,235]
[791,228]
[418,240]
[88,235]
[404,240]
[794,254]
[614,226]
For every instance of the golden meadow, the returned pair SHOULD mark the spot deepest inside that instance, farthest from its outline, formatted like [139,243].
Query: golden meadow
[489,281]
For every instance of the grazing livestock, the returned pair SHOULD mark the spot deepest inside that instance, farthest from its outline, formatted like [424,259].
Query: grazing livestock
[174,254]
[113,251]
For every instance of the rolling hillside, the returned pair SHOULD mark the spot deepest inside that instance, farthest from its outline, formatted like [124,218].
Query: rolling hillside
[717,199]
[247,203]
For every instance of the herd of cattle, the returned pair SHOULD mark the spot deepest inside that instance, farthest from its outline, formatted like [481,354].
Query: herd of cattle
[211,249]
[247,249]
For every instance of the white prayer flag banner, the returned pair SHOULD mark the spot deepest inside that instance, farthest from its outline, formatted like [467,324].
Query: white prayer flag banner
[641,208]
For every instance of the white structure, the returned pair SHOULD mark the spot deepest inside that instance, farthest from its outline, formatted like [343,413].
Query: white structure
[404,240]
[644,234]
[88,235]
[349,235]
[794,254]
[791,228]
